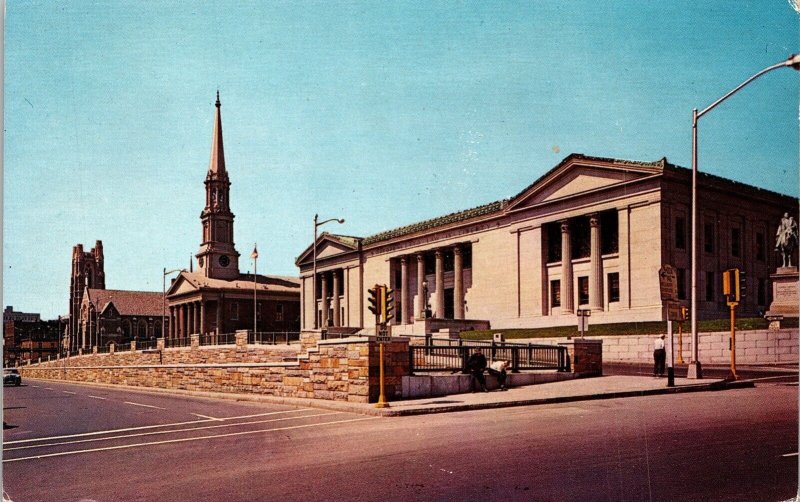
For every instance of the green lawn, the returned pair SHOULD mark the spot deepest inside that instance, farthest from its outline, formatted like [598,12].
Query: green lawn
[627,328]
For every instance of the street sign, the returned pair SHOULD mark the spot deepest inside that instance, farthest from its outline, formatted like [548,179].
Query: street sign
[583,320]
[668,282]
[382,334]
[674,311]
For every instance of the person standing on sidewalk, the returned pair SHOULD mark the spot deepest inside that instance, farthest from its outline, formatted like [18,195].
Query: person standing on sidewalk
[659,356]
[498,370]
[475,365]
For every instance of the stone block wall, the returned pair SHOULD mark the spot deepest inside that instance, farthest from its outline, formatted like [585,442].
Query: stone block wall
[340,370]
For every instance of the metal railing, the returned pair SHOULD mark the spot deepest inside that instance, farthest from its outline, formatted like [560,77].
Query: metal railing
[177,342]
[103,349]
[273,337]
[430,358]
[147,344]
[218,339]
[122,347]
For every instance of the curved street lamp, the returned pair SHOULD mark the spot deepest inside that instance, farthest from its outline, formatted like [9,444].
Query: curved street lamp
[318,224]
[695,369]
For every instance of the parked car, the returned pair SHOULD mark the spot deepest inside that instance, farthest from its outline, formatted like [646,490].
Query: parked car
[11,377]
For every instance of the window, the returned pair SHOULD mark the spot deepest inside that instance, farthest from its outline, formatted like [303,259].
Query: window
[258,311]
[680,232]
[279,312]
[234,311]
[555,293]
[466,256]
[553,234]
[613,287]
[430,264]
[583,290]
[708,237]
[760,246]
[681,276]
[609,232]
[736,242]
[448,260]
[579,237]
[762,292]
[709,286]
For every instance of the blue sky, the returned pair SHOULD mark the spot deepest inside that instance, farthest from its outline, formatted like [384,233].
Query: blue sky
[383,113]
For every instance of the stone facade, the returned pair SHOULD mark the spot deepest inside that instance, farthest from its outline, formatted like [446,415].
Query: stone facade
[339,370]
[591,233]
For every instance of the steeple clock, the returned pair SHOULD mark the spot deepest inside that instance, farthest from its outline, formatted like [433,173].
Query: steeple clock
[217,258]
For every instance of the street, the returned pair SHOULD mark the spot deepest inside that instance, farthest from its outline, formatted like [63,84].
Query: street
[80,442]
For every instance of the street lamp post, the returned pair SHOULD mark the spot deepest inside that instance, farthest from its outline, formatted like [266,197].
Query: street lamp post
[695,369]
[164,299]
[318,224]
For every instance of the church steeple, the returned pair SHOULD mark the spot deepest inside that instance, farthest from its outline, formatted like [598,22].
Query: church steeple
[217,257]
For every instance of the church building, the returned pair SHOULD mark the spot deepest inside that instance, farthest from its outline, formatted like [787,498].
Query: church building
[590,235]
[217,297]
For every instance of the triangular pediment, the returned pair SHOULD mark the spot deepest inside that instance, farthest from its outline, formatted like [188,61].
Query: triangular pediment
[109,311]
[329,245]
[181,286]
[578,176]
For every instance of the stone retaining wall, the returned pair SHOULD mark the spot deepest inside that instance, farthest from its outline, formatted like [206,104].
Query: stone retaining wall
[340,370]
[752,347]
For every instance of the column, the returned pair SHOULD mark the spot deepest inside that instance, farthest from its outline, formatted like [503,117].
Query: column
[184,321]
[170,324]
[197,326]
[439,284]
[421,300]
[567,301]
[458,283]
[324,279]
[219,314]
[190,321]
[403,317]
[202,317]
[596,265]
[337,321]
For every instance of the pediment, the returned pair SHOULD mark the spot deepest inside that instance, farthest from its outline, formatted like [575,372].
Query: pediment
[572,180]
[330,248]
[328,245]
[110,311]
[181,286]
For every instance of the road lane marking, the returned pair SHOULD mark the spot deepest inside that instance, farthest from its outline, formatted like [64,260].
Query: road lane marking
[35,386]
[173,431]
[144,405]
[68,392]
[145,427]
[791,454]
[96,397]
[183,440]
[205,416]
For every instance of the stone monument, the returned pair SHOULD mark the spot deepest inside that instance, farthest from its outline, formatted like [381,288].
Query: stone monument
[785,297]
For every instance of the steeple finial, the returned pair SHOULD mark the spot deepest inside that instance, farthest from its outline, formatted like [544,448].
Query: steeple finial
[216,165]
[217,104]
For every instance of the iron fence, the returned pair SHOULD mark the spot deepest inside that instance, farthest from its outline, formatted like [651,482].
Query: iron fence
[103,349]
[122,347]
[273,337]
[429,358]
[218,339]
[177,342]
[146,344]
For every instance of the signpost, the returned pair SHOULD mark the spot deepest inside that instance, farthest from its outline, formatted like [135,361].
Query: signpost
[583,320]
[668,283]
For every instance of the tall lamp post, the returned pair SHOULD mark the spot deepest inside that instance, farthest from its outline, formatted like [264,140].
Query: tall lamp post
[164,299]
[318,224]
[254,256]
[695,369]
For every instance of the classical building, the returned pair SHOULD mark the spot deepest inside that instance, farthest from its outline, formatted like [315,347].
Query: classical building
[592,233]
[217,297]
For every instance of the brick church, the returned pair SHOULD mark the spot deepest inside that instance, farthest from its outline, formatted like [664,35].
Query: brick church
[217,297]
[99,316]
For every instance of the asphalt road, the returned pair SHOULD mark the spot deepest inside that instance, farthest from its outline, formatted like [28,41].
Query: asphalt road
[767,373]
[68,444]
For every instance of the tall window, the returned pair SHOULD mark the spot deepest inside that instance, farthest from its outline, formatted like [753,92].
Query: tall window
[680,232]
[681,276]
[760,247]
[579,237]
[710,286]
[736,242]
[555,293]
[553,233]
[583,290]
[234,311]
[279,312]
[708,237]
[609,232]
[762,292]
[613,287]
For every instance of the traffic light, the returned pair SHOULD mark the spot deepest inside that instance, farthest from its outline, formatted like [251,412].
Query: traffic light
[684,313]
[733,284]
[374,300]
[387,304]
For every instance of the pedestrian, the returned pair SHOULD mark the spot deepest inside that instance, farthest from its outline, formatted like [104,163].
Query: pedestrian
[498,369]
[475,365]
[659,356]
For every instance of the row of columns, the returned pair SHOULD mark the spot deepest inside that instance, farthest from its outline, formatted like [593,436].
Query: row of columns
[189,318]
[595,267]
[422,292]
[336,278]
